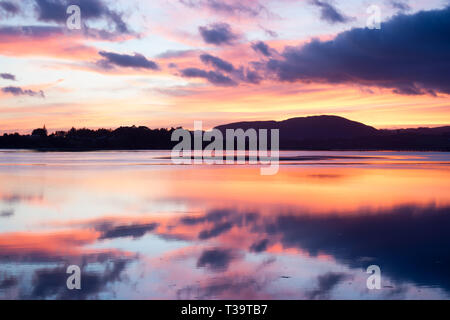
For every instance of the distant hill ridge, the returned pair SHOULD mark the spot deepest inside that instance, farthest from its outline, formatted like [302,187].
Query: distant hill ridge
[327,132]
[303,133]
[314,127]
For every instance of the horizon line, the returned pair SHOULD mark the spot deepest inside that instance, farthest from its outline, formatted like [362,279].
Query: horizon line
[387,127]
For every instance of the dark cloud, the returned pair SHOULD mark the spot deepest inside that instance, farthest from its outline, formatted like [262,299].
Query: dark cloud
[50,31]
[6,213]
[124,60]
[217,62]
[8,283]
[31,31]
[20,198]
[8,76]
[329,13]
[409,243]
[50,10]
[231,7]
[212,216]
[17,91]
[269,32]
[253,77]
[216,77]
[216,231]
[55,11]
[52,283]
[400,5]
[249,76]
[326,283]
[222,221]
[218,34]
[410,54]
[260,246]
[134,231]
[262,48]
[215,259]
[9,7]
[213,77]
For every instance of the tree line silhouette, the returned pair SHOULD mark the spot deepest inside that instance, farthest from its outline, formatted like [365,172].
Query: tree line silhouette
[306,133]
[123,138]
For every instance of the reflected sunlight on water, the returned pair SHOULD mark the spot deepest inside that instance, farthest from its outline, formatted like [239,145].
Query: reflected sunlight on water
[146,229]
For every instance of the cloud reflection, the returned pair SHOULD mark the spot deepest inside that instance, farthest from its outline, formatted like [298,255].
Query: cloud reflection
[211,249]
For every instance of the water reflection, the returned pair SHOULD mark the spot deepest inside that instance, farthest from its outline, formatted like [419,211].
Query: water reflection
[165,232]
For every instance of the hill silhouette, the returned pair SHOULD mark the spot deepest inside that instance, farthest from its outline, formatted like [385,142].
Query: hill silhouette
[305,133]
[316,127]
[338,133]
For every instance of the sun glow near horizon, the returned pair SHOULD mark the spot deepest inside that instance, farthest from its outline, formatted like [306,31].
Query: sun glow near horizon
[140,70]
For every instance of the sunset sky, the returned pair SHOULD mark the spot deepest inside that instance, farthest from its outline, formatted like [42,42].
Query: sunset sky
[164,63]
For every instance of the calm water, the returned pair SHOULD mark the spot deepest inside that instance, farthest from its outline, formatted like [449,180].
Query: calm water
[141,228]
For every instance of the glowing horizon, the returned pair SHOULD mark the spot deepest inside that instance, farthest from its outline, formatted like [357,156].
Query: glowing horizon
[155,64]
